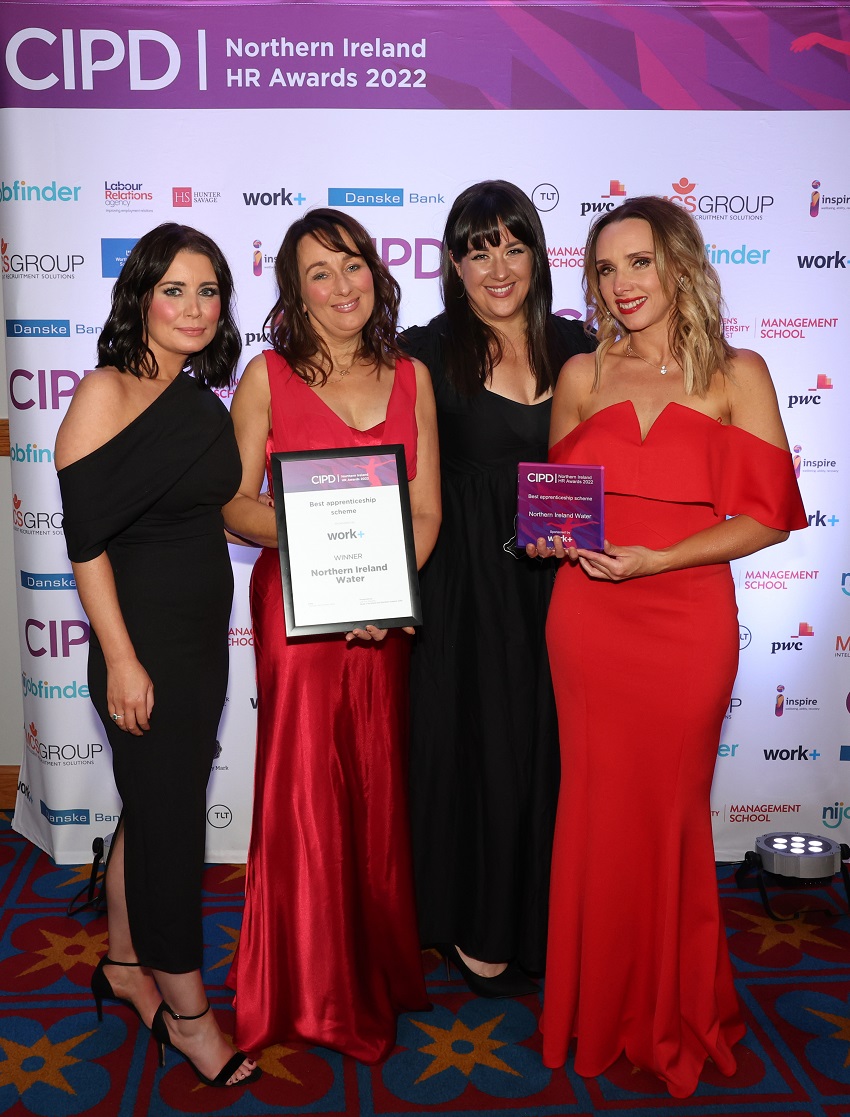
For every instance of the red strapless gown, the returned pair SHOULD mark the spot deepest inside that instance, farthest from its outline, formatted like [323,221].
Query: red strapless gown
[329,951]
[643,673]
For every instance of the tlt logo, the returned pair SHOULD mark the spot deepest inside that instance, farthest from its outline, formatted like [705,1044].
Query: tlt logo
[54,638]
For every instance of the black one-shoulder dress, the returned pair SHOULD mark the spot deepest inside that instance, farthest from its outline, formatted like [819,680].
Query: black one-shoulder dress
[151,498]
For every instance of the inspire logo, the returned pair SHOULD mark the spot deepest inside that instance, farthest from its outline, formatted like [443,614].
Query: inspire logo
[820,203]
[814,200]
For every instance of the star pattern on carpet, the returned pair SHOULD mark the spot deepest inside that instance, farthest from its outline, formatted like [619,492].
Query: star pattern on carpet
[39,1063]
[843,1033]
[793,933]
[272,1062]
[228,948]
[463,1048]
[67,951]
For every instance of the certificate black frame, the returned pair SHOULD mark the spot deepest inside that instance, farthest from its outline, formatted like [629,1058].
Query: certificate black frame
[345,624]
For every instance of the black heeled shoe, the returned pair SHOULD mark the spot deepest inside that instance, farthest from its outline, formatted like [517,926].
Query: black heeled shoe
[102,990]
[511,982]
[160,1036]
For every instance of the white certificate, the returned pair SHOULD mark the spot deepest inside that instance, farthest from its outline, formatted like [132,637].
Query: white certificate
[345,537]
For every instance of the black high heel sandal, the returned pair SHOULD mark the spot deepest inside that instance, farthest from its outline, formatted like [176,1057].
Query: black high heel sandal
[162,1039]
[511,982]
[102,989]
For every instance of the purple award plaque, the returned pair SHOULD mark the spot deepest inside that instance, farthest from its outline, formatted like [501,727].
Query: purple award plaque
[565,500]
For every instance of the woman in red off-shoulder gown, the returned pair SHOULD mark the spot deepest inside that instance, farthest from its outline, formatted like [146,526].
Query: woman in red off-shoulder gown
[643,643]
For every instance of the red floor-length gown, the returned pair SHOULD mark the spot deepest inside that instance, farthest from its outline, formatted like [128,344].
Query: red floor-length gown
[329,951]
[643,673]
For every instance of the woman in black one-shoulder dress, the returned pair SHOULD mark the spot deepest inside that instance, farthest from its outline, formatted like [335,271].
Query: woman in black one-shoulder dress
[146,458]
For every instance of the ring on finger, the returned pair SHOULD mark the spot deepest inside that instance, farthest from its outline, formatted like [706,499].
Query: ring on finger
[117,717]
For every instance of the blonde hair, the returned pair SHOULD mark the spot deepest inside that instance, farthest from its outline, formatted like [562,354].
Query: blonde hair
[696,324]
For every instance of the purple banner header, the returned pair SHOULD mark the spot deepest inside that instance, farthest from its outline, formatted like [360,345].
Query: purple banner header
[717,56]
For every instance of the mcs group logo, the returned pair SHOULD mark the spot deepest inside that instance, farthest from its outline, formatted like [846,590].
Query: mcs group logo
[718,207]
[39,263]
[27,520]
[57,756]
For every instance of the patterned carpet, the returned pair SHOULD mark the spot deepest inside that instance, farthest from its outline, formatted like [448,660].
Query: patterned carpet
[467,1055]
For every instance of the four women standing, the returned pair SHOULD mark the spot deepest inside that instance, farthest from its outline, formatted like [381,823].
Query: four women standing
[329,952]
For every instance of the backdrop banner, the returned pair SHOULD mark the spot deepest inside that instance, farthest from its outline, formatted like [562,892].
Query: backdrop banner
[237,118]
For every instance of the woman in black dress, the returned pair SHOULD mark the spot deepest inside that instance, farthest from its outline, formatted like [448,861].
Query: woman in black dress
[146,458]
[484,746]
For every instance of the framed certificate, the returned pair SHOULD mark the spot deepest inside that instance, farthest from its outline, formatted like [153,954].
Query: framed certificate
[345,537]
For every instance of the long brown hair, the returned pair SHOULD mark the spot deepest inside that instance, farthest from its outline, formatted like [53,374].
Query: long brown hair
[696,324]
[291,331]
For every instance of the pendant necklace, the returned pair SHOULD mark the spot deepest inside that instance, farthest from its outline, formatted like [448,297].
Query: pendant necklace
[631,353]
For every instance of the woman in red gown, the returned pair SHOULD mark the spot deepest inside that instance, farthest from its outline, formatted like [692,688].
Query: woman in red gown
[329,950]
[643,642]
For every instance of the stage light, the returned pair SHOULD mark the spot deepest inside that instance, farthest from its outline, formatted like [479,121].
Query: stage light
[794,860]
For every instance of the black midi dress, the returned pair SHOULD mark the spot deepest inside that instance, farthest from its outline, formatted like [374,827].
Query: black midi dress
[151,499]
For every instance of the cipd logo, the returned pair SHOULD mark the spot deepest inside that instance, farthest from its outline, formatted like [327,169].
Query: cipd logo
[113,254]
[46,389]
[718,207]
[219,816]
[54,638]
[81,53]
[545,197]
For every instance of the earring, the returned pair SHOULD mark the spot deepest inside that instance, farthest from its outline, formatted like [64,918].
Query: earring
[683,283]
[462,294]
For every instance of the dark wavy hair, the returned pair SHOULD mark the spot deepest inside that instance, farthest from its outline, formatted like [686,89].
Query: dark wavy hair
[473,348]
[290,329]
[696,324]
[122,342]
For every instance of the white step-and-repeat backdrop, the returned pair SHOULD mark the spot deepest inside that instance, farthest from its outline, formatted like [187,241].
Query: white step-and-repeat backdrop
[237,118]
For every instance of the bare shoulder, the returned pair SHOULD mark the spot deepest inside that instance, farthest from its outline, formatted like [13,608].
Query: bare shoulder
[575,380]
[423,376]
[95,415]
[752,398]
[253,386]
